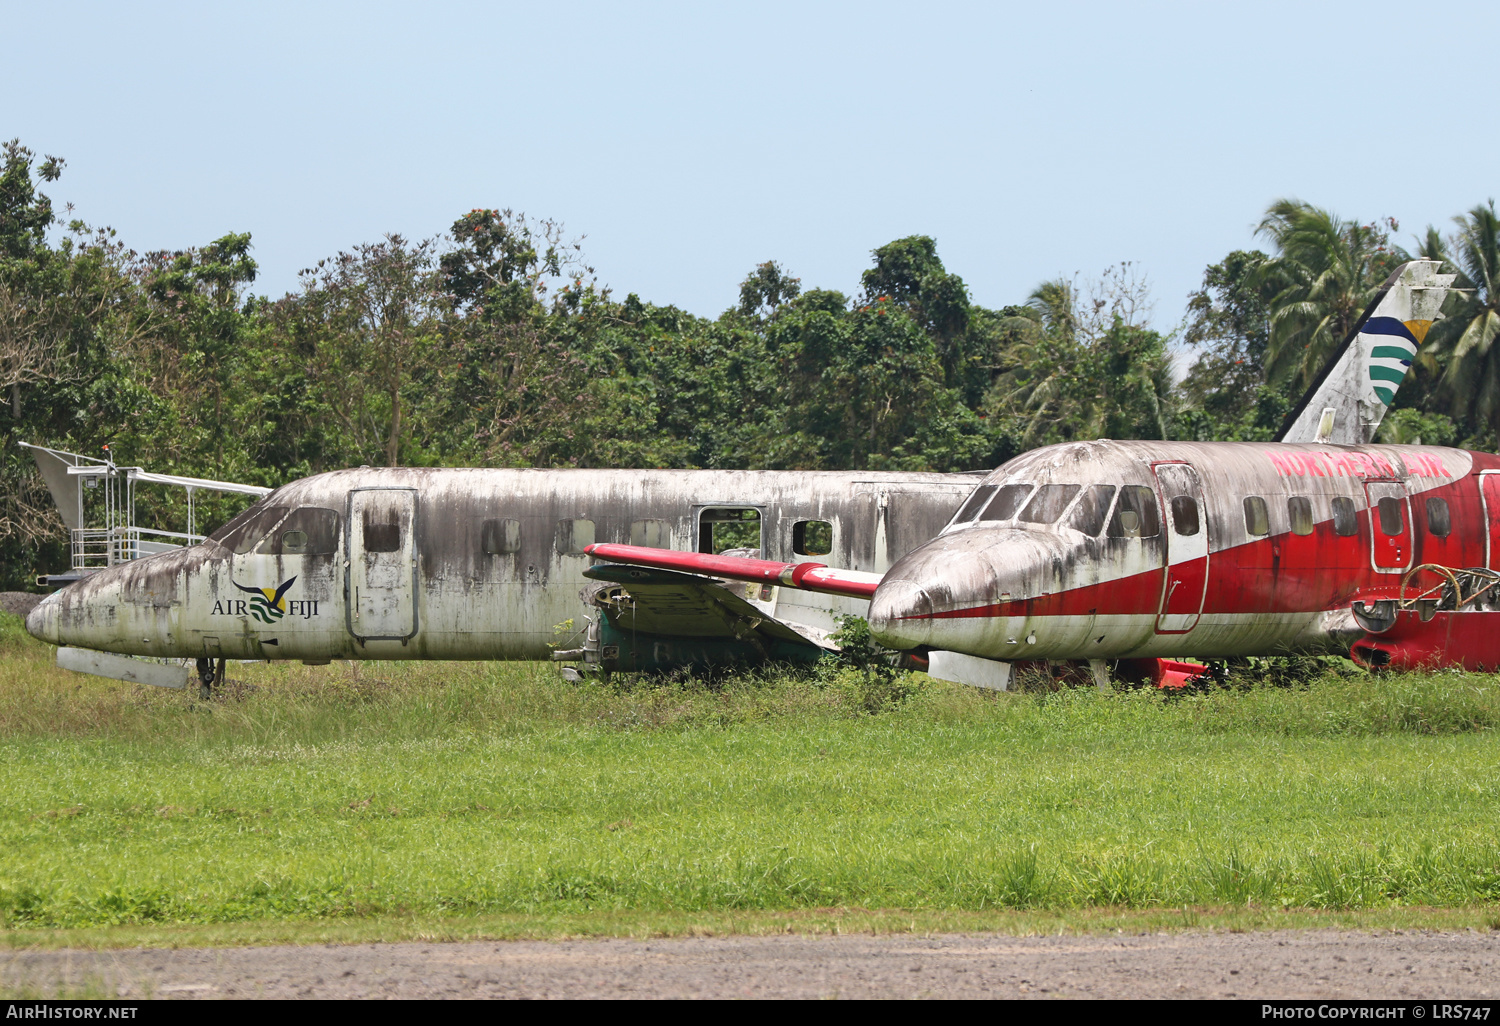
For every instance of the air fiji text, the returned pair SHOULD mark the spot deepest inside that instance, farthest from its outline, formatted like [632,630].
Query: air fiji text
[305,608]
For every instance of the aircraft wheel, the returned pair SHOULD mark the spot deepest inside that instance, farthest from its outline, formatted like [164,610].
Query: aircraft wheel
[208,673]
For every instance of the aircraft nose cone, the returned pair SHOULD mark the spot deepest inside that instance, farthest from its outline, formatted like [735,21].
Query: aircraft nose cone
[41,622]
[901,615]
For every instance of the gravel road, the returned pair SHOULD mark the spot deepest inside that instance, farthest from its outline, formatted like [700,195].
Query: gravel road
[1316,964]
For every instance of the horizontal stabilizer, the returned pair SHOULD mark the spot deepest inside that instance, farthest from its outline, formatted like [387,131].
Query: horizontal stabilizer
[803,576]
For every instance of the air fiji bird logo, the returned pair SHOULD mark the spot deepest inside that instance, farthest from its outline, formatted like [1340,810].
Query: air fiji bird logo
[267,606]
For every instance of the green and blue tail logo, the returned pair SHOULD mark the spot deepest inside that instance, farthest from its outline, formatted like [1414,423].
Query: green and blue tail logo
[267,606]
[1391,353]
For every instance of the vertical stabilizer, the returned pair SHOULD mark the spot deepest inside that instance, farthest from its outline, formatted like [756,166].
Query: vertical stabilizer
[1350,397]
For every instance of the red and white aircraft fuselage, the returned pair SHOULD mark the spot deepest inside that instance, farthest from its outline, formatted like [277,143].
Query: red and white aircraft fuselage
[1108,550]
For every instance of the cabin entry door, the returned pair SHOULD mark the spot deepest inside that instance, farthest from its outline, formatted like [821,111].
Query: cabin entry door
[1390,526]
[1187,548]
[1489,491]
[381,569]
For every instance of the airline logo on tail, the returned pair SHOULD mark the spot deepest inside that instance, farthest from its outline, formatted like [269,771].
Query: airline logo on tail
[1351,395]
[1393,345]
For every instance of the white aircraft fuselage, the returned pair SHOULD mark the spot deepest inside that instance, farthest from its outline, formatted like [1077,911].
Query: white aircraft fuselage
[421,563]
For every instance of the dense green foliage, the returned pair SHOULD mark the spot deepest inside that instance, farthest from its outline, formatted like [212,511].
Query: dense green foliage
[459,789]
[495,345]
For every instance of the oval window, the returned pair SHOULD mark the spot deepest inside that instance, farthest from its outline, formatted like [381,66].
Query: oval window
[1257,520]
[1299,512]
[1438,520]
[1185,515]
[1345,517]
[1390,515]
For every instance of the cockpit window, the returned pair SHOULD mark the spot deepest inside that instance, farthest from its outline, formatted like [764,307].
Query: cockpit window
[1135,514]
[245,531]
[1088,515]
[309,531]
[970,509]
[1048,503]
[1007,500]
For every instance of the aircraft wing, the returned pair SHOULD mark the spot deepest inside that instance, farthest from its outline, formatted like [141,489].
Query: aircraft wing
[804,576]
[667,602]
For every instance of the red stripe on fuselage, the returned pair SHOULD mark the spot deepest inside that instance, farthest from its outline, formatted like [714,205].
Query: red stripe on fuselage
[1285,573]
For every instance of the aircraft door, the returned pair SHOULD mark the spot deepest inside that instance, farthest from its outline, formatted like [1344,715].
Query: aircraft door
[1489,491]
[1390,526]
[1187,548]
[382,564]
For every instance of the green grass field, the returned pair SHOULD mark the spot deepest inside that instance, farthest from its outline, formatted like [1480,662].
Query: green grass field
[469,793]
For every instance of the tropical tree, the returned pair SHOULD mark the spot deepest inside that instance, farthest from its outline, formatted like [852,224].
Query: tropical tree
[1468,335]
[766,288]
[1325,273]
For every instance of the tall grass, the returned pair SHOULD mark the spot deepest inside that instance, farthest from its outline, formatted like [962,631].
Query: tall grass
[470,788]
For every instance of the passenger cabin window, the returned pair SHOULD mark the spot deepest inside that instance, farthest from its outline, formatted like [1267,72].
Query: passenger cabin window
[309,531]
[1299,513]
[1390,515]
[1007,500]
[573,536]
[1185,515]
[653,534]
[1345,517]
[499,536]
[1048,503]
[1135,514]
[812,537]
[1257,518]
[975,502]
[1088,515]
[381,530]
[246,531]
[1438,520]
[721,528]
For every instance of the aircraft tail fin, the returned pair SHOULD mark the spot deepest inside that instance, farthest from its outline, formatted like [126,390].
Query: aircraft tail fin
[1358,384]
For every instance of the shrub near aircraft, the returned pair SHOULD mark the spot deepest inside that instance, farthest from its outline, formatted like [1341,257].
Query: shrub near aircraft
[1141,551]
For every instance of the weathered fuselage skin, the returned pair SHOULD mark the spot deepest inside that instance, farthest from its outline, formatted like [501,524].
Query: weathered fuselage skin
[438,594]
[1016,591]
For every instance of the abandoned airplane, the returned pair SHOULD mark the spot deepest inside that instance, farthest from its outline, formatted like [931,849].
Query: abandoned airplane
[1091,552]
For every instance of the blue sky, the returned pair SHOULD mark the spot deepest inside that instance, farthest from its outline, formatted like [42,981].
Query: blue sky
[689,142]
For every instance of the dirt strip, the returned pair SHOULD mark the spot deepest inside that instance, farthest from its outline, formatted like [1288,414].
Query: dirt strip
[1315,964]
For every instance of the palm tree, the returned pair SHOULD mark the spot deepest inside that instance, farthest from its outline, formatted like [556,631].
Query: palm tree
[1469,334]
[1326,271]
[1057,302]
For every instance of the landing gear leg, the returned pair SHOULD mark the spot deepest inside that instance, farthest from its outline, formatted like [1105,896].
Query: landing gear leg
[1100,670]
[207,675]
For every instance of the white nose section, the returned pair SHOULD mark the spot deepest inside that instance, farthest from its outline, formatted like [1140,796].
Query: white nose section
[901,615]
[41,622]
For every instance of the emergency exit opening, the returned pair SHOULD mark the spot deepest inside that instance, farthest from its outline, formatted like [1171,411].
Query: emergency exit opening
[722,528]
